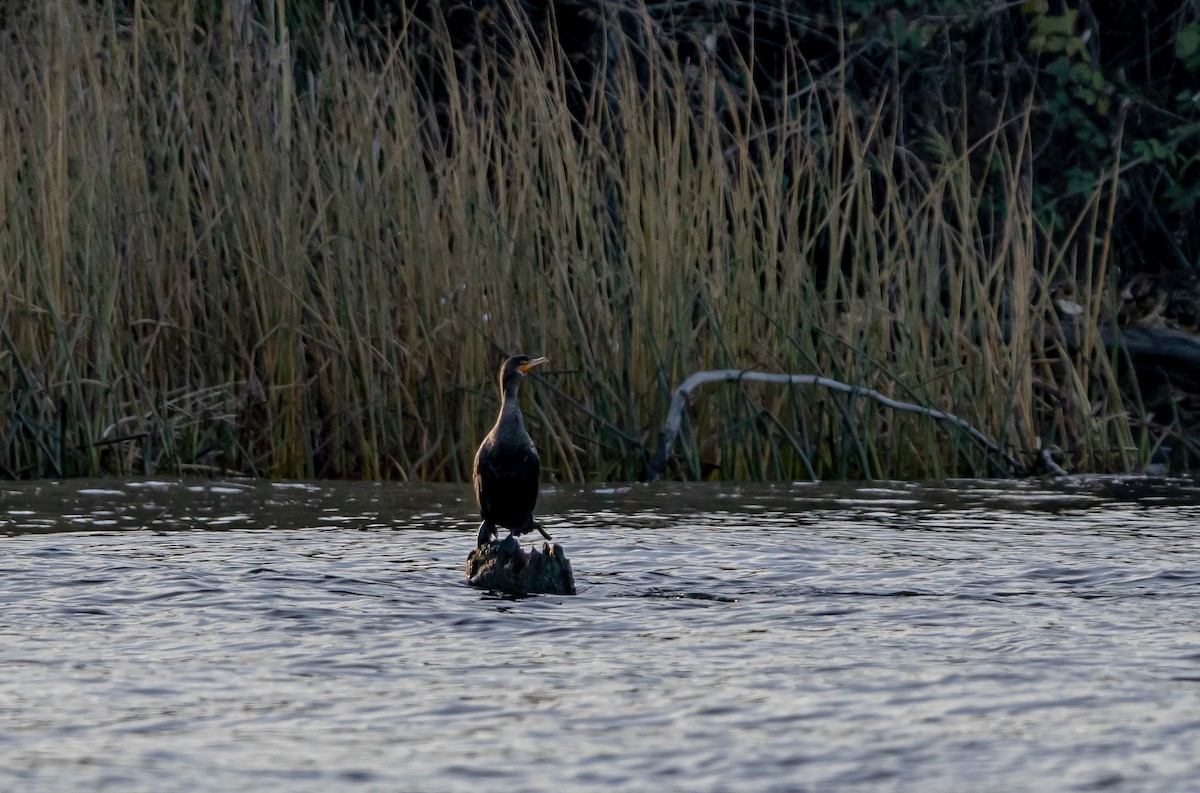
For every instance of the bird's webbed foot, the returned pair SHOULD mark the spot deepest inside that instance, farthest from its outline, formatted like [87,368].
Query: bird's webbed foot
[530,525]
[487,532]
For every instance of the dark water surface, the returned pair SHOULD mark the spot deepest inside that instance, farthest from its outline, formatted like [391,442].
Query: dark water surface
[183,636]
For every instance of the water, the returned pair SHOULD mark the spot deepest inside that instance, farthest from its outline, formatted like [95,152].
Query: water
[185,636]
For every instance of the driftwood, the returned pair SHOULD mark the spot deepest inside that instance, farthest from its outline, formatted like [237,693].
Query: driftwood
[1159,343]
[504,567]
[1151,344]
[680,398]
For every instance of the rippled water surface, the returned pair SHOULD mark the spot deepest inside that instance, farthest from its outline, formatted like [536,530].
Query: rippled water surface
[184,635]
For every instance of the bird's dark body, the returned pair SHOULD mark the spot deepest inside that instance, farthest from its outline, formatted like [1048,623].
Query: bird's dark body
[507,466]
[506,482]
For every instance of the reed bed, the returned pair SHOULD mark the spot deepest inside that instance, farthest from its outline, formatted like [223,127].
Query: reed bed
[216,257]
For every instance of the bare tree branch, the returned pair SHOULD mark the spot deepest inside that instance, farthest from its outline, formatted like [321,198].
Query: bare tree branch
[684,391]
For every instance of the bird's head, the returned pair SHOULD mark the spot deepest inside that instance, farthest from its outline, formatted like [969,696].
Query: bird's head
[516,367]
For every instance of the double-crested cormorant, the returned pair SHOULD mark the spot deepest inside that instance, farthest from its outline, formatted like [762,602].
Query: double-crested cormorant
[507,466]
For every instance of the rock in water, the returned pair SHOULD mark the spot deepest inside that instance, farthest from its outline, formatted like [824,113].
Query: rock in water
[504,567]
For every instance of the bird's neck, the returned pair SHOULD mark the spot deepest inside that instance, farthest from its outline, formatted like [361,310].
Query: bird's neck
[510,409]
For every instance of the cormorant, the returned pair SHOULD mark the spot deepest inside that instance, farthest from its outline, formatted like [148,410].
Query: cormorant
[507,466]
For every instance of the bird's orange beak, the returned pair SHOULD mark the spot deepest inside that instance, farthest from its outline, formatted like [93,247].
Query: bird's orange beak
[525,367]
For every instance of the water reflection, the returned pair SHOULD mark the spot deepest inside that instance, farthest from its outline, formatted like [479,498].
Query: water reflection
[162,635]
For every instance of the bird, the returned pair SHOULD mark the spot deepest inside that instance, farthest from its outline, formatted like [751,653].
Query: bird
[507,466]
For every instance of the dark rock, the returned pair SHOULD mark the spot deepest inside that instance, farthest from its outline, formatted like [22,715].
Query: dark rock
[504,567]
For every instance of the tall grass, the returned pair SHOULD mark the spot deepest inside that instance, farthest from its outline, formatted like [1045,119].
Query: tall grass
[215,257]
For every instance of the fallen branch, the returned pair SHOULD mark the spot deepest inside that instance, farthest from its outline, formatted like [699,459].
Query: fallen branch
[683,392]
[1050,465]
[1161,343]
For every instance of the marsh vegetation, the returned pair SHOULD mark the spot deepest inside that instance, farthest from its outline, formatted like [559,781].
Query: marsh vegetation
[231,243]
